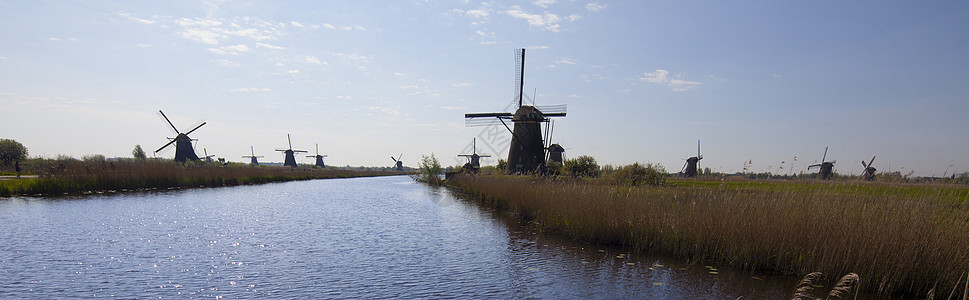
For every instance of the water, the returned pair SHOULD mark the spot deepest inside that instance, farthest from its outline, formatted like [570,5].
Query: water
[384,237]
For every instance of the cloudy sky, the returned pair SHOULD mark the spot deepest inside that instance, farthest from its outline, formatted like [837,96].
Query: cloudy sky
[760,82]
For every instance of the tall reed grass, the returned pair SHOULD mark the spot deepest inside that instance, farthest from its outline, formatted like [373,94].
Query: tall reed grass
[87,176]
[899,240]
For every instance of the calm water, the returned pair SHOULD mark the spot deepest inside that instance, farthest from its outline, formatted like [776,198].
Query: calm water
[382,237]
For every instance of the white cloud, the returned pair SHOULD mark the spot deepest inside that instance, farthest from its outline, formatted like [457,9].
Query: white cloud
[574,17]
[461,84]
[314,60]
[54,39]
[252,90]
[777,76]
[659,76]
[536,47]
[543,3]
[477,13]
[595,6]
[228,63]
[201,35]
[353,57]
[297,24]
[293,72]
[233,50]
[675,84]
[133,18]
[199,22]
[328,26]
[547,21]
[274,47]
[398,74]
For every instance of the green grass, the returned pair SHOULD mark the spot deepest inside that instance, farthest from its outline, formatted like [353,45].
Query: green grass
[901,239]
[82,177]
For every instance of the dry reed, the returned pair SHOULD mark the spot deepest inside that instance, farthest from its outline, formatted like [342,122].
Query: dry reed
[899,239]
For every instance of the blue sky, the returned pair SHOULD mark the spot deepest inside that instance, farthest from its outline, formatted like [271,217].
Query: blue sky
[757,81]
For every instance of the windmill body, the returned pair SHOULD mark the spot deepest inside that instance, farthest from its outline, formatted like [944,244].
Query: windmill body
[693,163]
[827,167]
[869,173]
[398,165]
[183,144]
[474,160]
[252,158]
[556,153]
[319,158]
[526,154]
[290,157]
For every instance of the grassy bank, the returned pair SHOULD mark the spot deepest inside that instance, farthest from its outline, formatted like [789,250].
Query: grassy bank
[91,176]
[899,239]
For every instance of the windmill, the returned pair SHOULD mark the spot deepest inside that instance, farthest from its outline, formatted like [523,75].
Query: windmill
[207,156]
[554,152]
[183,144]
[474,160]
[826,166]
[253,160]
[527,150]
[692,164]
[290,158]
[319,158]
[869,173]
[398,165]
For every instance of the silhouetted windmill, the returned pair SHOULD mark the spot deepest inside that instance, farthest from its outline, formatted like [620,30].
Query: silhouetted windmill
[290,157]
[183,144]
[869,173]
[474,160]
[693,163]
[554,152]
[527,150]
[398,165]
[253,160]
[207,156]
[826,166]
[319,158]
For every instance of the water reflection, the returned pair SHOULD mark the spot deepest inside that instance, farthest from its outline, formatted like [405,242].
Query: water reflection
[364,237]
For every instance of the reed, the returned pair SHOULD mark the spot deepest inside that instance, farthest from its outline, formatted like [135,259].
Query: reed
[95,176]
[899,239]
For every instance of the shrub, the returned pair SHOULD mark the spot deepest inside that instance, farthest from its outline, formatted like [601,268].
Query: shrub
[582,166]
[637,174]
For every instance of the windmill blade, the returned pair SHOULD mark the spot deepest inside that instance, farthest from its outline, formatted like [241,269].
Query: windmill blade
[166,145]
[399,156]
[519,74]
[290,141]
[169,121]
[193,129]
[684,167]
[698,149]
[863,164]
[482,122]
[556,109]
[825,154]
[872,160]
[814,165]
[488,115]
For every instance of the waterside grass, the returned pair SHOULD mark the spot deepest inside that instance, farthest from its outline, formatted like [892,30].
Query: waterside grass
[89,176]
[898,239]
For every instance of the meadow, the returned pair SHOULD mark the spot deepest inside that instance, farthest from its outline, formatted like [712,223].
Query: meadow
[98,176]
[902,239]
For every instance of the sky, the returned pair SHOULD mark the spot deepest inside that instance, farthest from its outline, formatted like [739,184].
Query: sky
[765,85]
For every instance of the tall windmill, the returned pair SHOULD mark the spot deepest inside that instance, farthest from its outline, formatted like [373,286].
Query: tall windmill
[869,173]
[398,165]
[527,150]
[252,158]
[693,163]
[319,158]
[290,157]
[826,166]
[183,144]
[474,160]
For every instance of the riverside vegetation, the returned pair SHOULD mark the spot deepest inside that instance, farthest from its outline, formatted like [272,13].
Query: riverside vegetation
[66,175]
[900,238]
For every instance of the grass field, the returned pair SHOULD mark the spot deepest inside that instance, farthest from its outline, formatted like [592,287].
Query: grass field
[900,238]
[98,176]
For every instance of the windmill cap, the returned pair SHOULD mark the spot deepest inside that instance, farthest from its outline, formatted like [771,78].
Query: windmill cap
[556,148]
[528,113]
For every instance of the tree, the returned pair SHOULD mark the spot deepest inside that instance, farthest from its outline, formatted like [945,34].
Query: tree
[430,170]
[11,151]
[582,166]
[138,153]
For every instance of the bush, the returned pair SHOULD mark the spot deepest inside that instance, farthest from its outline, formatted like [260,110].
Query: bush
[637,174]
[429,171]
[11,151]
[582,166]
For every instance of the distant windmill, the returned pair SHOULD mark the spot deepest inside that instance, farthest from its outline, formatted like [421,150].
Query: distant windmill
[869,173]
[207,156]
[554,152]
[319,158]
[826,166]
[398,165]
[290,157]
[693,163]
[253,160]
[183,144]
[527,150]
[474,160]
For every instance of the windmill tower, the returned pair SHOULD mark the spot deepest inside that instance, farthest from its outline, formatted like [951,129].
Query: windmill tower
[290,157]
[825,166]
[319,158]
[869,173]
[556,153]
[183,144]
[398,165]
[526,153]
[474,160]
[253,160]
[692,164]
[207,157]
